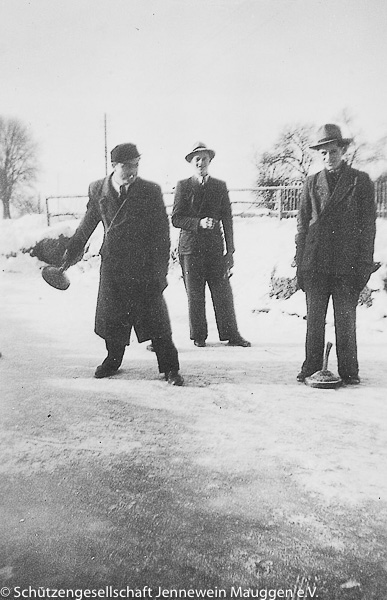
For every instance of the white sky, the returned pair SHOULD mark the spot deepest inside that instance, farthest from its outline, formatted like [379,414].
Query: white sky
[167,73]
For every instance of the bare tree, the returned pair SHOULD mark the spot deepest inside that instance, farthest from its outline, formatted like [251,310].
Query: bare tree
[18,162]
[290,159]
[361,153]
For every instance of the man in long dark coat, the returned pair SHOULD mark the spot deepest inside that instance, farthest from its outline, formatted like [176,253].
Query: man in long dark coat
[335,245]
[202,211]
[134,263]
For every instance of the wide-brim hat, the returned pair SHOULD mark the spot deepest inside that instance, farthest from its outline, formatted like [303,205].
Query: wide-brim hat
[124,153]
[199,147]
[329,133]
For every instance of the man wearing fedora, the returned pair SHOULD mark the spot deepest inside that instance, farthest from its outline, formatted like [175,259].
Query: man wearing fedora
[334,252]
[134,263]
[202,211]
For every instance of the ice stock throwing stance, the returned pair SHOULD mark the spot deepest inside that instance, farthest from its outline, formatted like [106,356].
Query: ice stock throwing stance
[134,263]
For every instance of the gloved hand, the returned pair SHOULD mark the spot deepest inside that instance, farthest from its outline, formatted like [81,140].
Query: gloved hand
[74,252]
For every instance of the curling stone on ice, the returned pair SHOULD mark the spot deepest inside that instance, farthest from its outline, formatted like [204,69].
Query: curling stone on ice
[324,379]
[56,276]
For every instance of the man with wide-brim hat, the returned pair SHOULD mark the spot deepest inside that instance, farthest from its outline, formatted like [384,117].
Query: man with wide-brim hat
[335,244]
[134,263]
[202,211]
[330,133]
[197,148]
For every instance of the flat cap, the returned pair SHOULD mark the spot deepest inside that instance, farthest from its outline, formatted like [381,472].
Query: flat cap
[123,153]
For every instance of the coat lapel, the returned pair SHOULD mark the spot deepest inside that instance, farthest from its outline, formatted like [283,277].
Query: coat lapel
[113,212]
[196,195]
[322,189]
[108,204]
[344,185]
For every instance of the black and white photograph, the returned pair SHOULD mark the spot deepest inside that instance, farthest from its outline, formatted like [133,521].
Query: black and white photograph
[193,299]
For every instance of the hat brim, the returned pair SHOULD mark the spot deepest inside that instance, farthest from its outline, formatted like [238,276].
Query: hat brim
[190,156]
[342,142]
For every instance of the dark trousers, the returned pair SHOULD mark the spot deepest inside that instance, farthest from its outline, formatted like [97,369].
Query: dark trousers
[319,287]
[166,353]
[197,271]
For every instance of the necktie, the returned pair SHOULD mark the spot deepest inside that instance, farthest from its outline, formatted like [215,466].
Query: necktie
[122,195]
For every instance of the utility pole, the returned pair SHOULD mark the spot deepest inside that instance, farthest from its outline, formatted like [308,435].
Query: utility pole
[106,152]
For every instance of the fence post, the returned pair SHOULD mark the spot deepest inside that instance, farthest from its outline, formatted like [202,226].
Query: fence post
[279,203]
[47,212]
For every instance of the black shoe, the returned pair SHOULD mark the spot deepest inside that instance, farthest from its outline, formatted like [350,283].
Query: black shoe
[200,343]
[301,377]
[351,380]
[105,370]
[239,341]
[174,378]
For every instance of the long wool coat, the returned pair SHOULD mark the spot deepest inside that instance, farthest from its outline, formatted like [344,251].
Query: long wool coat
[134,259]
[336,232]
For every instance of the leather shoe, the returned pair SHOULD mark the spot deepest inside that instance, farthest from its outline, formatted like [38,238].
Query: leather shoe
[301,377]
[200,343]
[351,380]
[105,370]
[174,378]
[239,341]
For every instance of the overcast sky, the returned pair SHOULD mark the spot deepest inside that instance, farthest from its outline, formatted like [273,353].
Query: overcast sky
[230,73]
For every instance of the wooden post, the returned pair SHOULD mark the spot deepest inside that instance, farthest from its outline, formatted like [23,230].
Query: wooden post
[106,152]
[279,203]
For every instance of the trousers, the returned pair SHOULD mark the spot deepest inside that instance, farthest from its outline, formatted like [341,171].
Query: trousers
[319,288]
[199,270]
[165,350]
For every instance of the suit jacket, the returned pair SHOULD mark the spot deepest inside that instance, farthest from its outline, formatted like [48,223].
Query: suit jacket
[336,231]
[192,203]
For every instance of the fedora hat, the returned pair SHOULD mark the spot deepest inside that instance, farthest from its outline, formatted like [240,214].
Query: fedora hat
[199,147]
[330,133]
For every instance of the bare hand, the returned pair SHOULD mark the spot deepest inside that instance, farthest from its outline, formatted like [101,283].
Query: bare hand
[207,223]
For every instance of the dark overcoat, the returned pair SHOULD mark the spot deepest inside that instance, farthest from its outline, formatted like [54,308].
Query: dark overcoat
[192,203]
[336,231]
[134,259]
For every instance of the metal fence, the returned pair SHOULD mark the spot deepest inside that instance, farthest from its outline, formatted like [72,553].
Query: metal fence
[381,198]
[278,201]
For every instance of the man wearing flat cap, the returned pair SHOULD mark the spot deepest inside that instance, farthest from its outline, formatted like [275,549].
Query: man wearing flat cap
[134,263]
[202,211]
[334,255]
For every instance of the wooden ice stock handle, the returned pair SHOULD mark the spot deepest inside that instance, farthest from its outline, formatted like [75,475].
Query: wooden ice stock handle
[326,356]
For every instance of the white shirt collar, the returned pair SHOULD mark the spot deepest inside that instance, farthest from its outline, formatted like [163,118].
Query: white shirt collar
[117,186]
[202,179]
